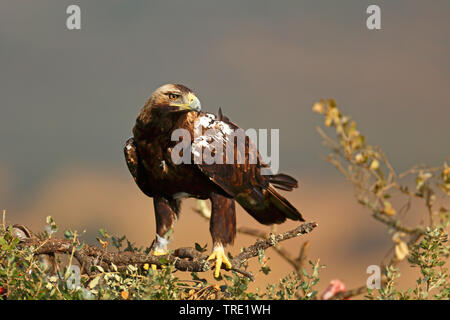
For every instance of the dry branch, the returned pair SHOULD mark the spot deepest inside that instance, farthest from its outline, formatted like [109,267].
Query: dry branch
[297,262]
[183,259]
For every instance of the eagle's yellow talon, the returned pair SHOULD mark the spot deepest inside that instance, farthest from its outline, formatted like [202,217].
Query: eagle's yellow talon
[220,257]
[158,253]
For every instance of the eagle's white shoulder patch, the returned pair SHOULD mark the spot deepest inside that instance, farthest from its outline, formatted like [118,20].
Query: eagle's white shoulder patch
[212,130]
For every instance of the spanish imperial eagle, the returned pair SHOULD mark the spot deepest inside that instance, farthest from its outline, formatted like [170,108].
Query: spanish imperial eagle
[150,160]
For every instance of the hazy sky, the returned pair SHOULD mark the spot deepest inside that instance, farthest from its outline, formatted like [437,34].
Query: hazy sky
[69,98]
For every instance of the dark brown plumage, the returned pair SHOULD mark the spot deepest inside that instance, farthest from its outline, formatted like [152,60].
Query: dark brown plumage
[149,158]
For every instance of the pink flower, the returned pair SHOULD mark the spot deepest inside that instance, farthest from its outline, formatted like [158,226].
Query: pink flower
[335,287]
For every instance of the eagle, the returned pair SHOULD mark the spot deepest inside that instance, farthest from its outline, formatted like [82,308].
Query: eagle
[150,154]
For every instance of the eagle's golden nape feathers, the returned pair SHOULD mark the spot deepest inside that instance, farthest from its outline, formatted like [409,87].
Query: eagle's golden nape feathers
[149,159]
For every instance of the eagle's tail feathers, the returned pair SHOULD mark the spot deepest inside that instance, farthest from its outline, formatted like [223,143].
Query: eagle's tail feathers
[283,205]
[283,181]
[267,206]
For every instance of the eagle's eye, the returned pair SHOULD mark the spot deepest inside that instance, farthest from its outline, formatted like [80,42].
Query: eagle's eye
[173,96]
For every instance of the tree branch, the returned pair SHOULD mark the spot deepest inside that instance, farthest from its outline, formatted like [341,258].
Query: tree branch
[297,263]
[183,259]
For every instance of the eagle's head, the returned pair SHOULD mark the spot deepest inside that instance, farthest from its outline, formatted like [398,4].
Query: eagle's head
[173,98]
[169,99]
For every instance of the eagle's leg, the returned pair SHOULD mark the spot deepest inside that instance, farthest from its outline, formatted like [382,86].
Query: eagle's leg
[222,228]
[166,215]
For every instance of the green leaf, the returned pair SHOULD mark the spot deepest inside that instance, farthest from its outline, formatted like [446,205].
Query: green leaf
[68,234]
[266,269]
[163,261]
[94,282]
[102,232]
[305,273]
[199,247]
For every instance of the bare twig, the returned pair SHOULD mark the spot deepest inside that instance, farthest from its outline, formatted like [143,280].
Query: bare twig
[350,293]
[297,263]
[300,260]
[395,223]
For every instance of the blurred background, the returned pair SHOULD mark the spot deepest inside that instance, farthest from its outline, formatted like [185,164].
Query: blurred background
[69,100]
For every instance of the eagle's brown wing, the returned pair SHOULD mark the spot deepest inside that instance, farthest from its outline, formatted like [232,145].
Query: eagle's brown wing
[242,179]
[135,167]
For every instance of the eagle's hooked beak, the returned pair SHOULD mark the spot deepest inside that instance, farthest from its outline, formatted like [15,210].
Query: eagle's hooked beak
[190,102]
[194,103]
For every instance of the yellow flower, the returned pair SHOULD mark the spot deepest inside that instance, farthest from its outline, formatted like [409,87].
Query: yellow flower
[374,165]
[103,243]
[359,158]
[319,107]
[446,173]
[421,178]
[388,209]
[401,250]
